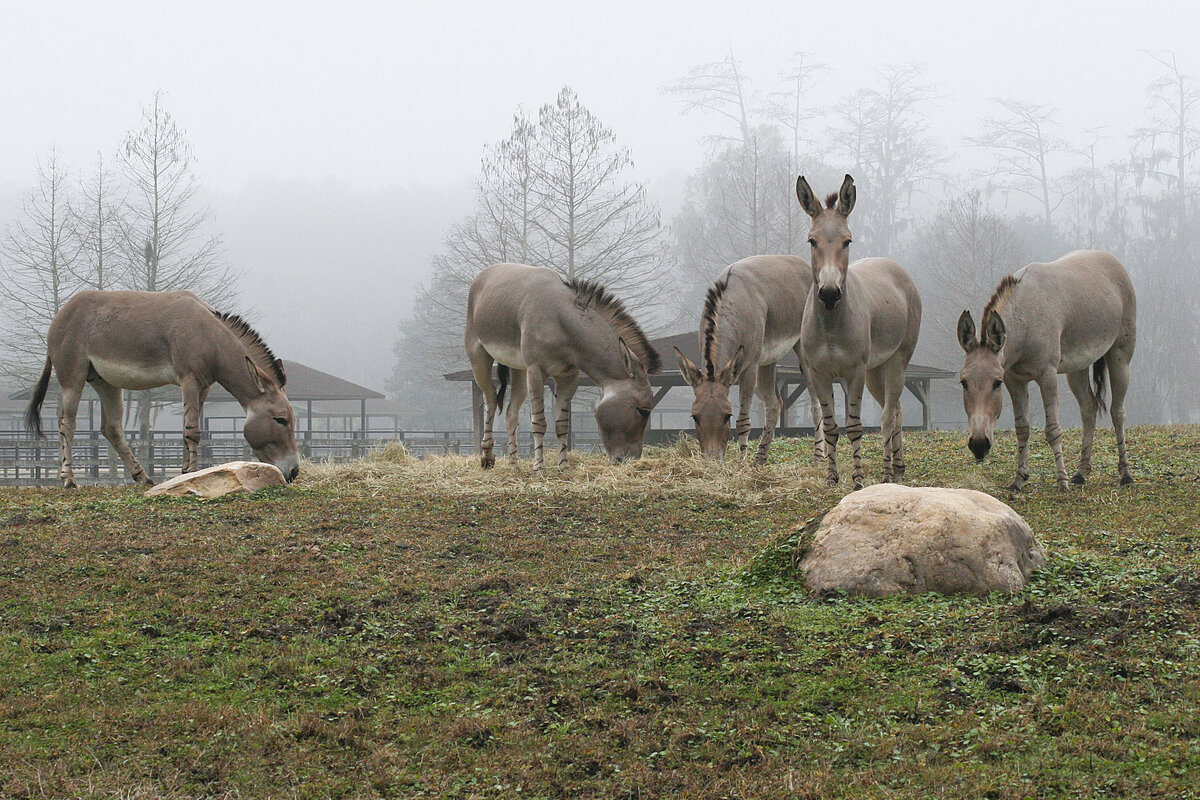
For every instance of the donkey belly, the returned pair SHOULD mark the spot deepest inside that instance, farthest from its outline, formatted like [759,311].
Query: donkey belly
[507,354]
[775,349]
[130,375]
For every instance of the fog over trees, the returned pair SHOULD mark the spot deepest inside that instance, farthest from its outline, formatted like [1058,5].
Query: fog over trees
[962,183]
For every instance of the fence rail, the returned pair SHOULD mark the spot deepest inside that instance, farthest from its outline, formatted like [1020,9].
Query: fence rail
[29,461]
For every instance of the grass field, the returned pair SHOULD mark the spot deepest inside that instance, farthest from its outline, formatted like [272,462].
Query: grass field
[421,629]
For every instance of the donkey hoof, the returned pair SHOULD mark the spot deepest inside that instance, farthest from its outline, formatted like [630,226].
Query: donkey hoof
[832,480]
[70,484]
[1126,479]
[1078,479]
[1062,483]
[144,482]
[1016,486]
[487,462]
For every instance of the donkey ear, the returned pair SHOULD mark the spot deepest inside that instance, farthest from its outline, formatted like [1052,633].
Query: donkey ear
[256,374]
[846,196]
[808,200]
[632,365]
[733,369]
[994,333]
[282,372]
[966,332]
[690,372]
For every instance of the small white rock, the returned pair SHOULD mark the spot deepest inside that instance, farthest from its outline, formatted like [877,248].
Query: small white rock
[889,538]
[236,476]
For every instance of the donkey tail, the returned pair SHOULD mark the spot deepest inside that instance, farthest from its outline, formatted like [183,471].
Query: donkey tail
[33,414]
[502,374]
[1099,369]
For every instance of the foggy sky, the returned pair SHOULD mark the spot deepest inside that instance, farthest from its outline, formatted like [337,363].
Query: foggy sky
[391,103]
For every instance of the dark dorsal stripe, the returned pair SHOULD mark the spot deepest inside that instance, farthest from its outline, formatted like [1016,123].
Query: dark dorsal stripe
[999,298]
[708,322]
[259,352]
[590,293]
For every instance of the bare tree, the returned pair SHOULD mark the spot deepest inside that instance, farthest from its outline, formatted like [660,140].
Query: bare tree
[100,221]
[1024,142]
[38,259]
[883,131]
[1168,144]
[167,242]
[721,88]
[594,221]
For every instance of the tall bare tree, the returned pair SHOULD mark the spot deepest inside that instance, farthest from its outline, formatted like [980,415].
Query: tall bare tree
[594,221]
[722,88]
[100,220]
[167,242]
[1023,139]
[39,255]
[884,132]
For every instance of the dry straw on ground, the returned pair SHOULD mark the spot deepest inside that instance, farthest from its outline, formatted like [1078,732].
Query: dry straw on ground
[678,469]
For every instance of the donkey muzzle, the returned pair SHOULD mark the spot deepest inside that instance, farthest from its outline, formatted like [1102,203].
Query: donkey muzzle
[829,296]
[979,446]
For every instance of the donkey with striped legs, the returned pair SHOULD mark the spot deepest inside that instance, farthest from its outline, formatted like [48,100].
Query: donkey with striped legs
[538,325]
[752,317]
[1064,317]
[861,323]
[143,340]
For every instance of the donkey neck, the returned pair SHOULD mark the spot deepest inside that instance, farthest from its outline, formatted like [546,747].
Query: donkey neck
[597,350]
[233,373]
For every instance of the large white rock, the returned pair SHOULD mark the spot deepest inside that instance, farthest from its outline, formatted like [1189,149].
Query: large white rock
[236,476]
[888,538]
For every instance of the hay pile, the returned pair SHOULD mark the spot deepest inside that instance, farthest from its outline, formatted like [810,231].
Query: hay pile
[679,469]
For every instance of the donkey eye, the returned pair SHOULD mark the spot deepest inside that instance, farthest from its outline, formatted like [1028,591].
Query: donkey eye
[281,420]
[964,383]
[696,419]
[812,242]
[845,244]
[997,384]
[727,418]
[645,412]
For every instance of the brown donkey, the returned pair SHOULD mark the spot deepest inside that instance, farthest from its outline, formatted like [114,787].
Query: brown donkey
[143,340]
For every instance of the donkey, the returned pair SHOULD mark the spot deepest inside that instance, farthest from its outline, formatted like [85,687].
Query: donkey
[539,325]
[751,319]
[1062,318]
[143,340]
[861,323]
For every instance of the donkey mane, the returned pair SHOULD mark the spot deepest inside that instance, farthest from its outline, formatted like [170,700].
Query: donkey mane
[591,293]
[259,352]
[999,298]
[831,200]
[708,321]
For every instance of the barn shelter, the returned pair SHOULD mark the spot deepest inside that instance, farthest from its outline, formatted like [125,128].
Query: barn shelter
[918,380]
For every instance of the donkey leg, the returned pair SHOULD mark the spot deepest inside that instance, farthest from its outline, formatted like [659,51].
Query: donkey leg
[536,381]
[824,390]
[191,423]
[875,384]
[112,403]
[1018,390]
[1048,383]
[512,417]
[564,388]
[1078,381]
[815,408]
[772,402]
[481,368]
[1118,379]
[854,427]
[893,388]
[746,388]
[66,433]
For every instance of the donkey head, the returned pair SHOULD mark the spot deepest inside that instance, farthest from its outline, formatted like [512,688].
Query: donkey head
[982,377]
[711,410]
[270,424]
[624,409]
[829,238]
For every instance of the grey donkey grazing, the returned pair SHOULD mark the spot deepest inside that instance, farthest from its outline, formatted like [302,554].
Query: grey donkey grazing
[752,318]
[143,340]
[861,323]
[538,325]
[1071,316]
